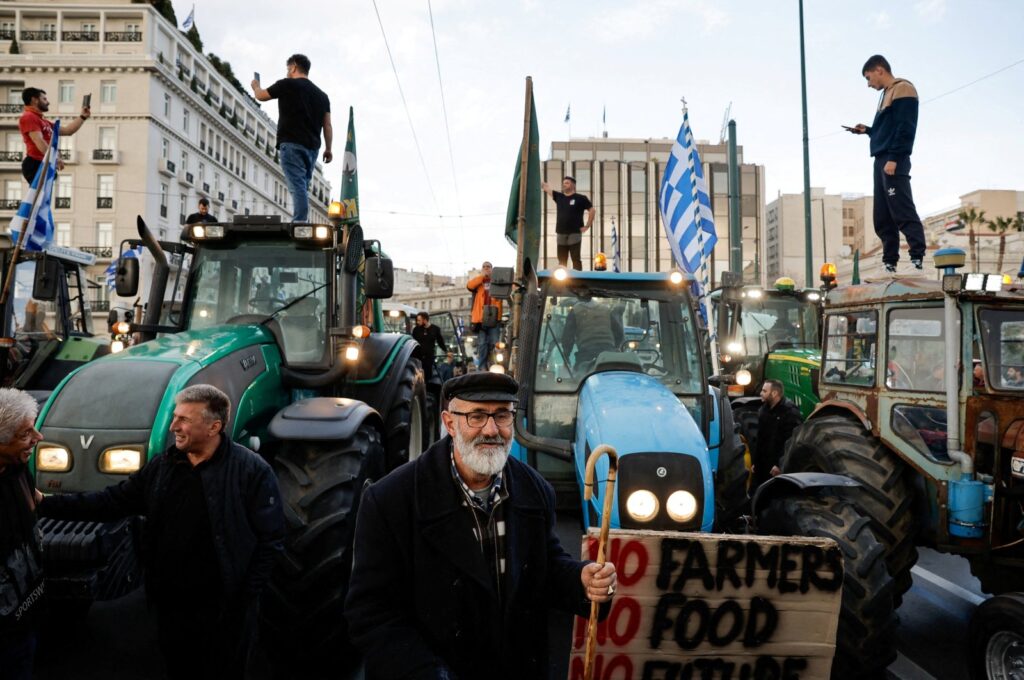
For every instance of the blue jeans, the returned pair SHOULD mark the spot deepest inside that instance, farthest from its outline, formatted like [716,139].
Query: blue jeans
[486,339]
[298,162]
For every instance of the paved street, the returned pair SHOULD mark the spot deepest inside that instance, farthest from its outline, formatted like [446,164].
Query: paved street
[118,638]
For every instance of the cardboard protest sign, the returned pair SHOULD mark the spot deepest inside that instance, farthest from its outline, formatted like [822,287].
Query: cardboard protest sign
[692,606]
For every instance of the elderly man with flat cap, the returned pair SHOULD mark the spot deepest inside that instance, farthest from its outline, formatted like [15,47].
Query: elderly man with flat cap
[456,557]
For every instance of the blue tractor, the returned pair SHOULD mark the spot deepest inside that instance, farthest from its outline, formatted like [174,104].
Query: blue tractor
[609,358]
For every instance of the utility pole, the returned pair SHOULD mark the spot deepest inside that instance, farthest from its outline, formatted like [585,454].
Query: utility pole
[808,252]
[735,221]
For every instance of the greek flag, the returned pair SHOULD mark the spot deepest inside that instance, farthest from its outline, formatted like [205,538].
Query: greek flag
[189,20]
[685,204]
[567,111]
[111,270]
[616,256]
[35,214]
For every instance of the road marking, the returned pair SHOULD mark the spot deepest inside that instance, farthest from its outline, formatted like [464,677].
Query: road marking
[905,669]
[948,586]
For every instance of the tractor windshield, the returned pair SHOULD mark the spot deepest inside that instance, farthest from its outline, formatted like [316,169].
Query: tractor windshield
[776,321]
[1002,333]
[585,330]
[259,278]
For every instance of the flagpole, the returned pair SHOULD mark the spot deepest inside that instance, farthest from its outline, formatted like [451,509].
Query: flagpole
[44,168]
[524,155]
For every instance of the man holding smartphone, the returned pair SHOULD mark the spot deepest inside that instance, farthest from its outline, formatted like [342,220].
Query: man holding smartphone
[303,110]
[37,132]
[892,141]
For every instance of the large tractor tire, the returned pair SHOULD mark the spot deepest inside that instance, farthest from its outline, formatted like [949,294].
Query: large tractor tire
[321,483]
[407,427]
[746,419]
[840,445]
[731,501]
[997,638]
[865,641]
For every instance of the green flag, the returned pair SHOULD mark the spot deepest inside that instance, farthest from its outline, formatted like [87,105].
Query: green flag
[532,213]
[855,279]
[349,173]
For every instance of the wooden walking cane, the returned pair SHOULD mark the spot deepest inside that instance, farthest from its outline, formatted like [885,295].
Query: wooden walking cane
[606,514]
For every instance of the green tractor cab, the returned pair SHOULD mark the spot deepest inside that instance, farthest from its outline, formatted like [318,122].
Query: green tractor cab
[272,313]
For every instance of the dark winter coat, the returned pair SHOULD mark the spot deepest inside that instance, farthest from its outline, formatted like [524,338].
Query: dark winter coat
[774,428]
[421,602]
[243,501]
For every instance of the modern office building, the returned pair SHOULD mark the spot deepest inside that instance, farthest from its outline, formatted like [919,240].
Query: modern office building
[167,127]
[622,177]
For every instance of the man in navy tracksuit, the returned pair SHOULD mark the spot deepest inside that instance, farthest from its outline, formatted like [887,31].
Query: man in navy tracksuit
[892,142]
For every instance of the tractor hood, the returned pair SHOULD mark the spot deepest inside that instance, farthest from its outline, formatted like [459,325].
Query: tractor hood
[660,447]
[127,399]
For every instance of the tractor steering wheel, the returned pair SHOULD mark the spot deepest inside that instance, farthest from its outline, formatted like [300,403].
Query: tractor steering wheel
[265,303]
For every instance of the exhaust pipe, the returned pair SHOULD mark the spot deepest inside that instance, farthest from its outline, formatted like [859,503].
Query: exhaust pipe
[161,272]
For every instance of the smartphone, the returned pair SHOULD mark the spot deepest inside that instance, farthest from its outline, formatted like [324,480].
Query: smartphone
[256,76]
[87,101]
[849,129]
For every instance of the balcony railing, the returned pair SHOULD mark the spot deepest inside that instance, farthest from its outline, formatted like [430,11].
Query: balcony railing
[39,35]
[206,187]
[163,211]
[104,201]
[189,178]
[7,35]
[81,36]
[65,154]
[11,156]
[123,36]
[11,108]
[103,154]
[10,203]
[220,196]
[234,205]
[63,202]
[99,305]
[99,251]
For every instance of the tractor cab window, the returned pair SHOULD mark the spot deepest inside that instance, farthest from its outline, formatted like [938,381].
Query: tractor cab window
[1002,334]
[916,350]
[263,279]
[850,346]
[772,322]
[586,330]
[32,320]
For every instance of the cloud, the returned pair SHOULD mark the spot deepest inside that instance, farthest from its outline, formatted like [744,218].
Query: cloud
[931,10]
[644,20]
[881,20]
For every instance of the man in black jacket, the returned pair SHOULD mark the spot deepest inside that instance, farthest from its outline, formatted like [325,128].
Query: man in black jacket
[429,338]
[776,421]
[214,525]
[456,561]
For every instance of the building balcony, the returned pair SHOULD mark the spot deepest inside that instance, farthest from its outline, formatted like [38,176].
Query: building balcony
[7,35]
[11,108]
[163,211]
[9,203]
[101,252]
[11,156]
[186,178]
[104,202]
[204,189]
[220,196]
[99,305]
[202,145]
[123,36]
[166,166]
[80,36]
[111,156]
[234,205]
[62,203]
[68,156]
[38,35]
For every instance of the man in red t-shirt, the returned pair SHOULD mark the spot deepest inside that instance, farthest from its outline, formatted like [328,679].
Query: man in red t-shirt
[37,132]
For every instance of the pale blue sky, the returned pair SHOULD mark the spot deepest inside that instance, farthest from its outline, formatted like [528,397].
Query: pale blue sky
[637,59]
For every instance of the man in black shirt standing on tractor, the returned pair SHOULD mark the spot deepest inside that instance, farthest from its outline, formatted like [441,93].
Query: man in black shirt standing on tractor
[570,227]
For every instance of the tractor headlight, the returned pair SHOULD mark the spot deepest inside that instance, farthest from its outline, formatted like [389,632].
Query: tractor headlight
[681,506]
[496,368]
[560,274]
[53,459]
[675,278]
[813,297]
[734,347]
[120,460]
[642,505]
[116,346]
[499,357]
[204,231]
[352,353]
[743,377]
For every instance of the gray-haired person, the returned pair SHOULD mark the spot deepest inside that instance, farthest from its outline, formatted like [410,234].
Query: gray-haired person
[213,532]
[21,572]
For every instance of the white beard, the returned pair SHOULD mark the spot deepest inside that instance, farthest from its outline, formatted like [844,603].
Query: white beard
[481,457]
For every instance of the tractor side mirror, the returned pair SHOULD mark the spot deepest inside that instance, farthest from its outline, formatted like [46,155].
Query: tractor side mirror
[126,279]
[44,287]
[379,279]
[501,282]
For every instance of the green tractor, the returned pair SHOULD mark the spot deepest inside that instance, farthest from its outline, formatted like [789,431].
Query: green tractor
[47,323]
[922,409]
[767,334]
[272,313]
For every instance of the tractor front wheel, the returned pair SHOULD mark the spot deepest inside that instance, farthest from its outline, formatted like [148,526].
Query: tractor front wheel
[321,483]
[865,642]
[407,425]
[997,637]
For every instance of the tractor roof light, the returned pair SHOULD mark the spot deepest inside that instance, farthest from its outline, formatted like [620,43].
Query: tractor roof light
[785,283]
[735,346]
[676,277]
[316,232]
[993,283]
[560,274]
[202,232]
[828,274]
[753,293]
[813,296]
[394,313]
[600,262]
[335,210]
[974,282]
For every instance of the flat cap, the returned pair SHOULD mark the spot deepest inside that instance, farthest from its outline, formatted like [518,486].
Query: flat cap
[481,386]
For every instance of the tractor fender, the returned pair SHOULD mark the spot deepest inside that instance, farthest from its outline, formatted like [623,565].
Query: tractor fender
[743,401]
[840,406]
[322,419]
[796,483]
[375,381]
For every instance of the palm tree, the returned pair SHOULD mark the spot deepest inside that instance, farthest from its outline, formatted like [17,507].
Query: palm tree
[971,216]
[1000,225]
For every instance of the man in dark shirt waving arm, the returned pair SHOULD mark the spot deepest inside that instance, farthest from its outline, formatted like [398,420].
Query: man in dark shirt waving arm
[303,110]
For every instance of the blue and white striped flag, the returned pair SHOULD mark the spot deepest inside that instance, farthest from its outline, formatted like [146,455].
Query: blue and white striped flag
[189,20]
[690,231]
[111,270]
[35,210]
[616,250]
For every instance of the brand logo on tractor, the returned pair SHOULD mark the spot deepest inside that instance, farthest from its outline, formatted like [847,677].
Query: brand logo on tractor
[86,442]
[661,472]
[248,362]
